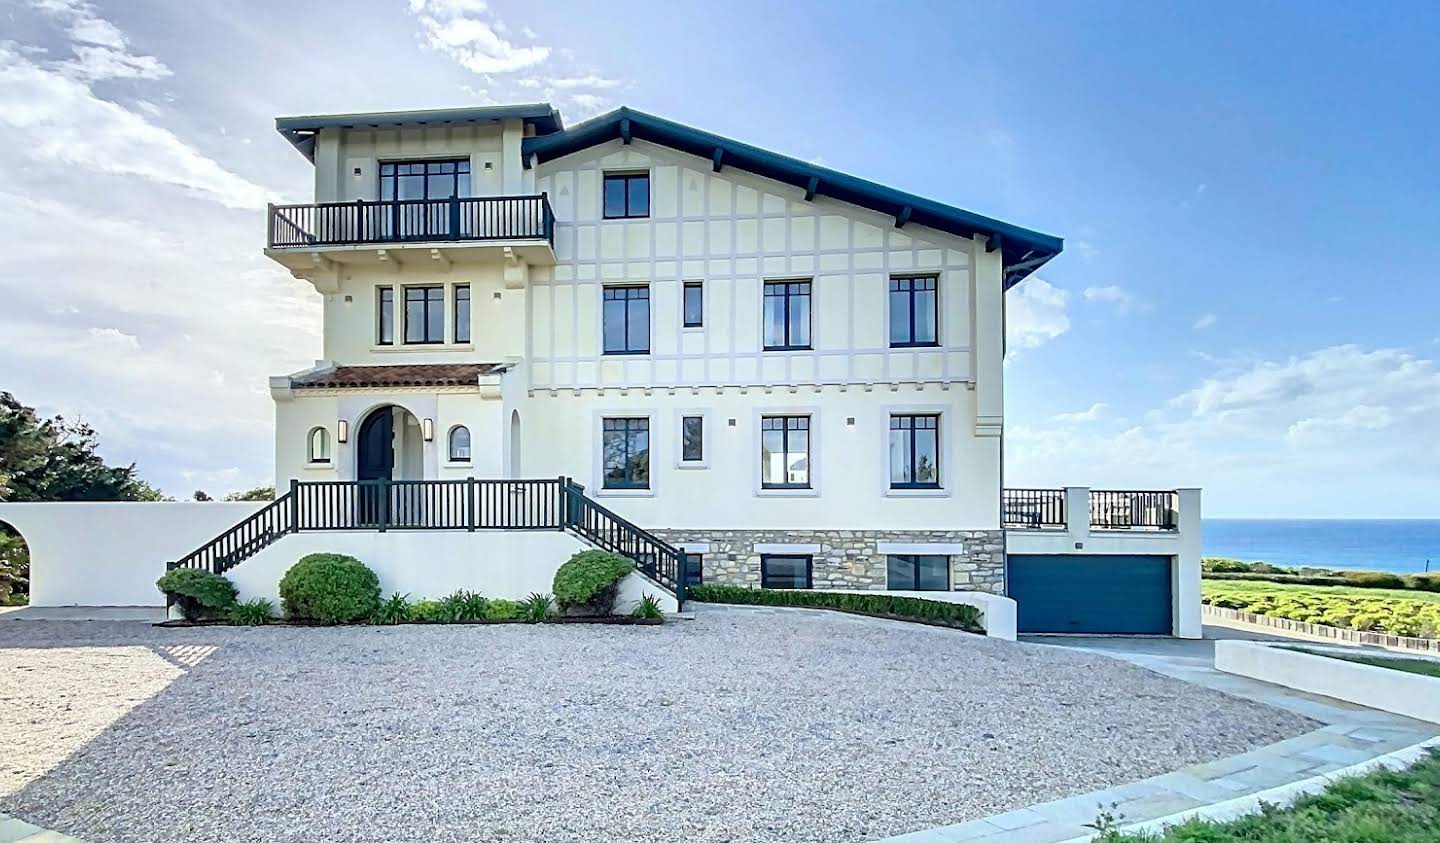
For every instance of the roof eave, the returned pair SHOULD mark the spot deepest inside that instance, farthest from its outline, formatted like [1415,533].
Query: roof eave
[300,131]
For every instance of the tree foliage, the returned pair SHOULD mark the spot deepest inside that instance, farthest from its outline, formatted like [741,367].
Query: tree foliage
[259,493]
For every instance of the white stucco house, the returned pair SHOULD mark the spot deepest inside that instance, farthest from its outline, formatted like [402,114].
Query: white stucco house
[735,366]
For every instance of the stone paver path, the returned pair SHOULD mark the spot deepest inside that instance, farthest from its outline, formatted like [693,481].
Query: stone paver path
[1351,734]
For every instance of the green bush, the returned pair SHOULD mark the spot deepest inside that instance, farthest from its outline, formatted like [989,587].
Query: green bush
[537,607]
[1373,579]
[428,611]
[502,610]
[648,609]
[588,582]
[200,594]
[330,588]
[395,609]
[1423,582]
[960,615]
[257,612]
[1293,579]
[463,607]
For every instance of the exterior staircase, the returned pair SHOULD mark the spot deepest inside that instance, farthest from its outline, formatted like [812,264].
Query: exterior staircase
[469,504]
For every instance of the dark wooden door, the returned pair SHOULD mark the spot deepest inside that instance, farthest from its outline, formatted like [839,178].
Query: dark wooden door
[375,461]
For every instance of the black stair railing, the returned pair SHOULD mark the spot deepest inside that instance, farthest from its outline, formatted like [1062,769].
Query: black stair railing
[242,541]
[653,557]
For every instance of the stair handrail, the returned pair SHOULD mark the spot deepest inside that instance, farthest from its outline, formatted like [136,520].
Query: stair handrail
[574,491]
[209,555]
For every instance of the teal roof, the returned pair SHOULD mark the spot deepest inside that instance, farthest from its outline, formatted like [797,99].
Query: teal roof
[1022,250]
[301,131]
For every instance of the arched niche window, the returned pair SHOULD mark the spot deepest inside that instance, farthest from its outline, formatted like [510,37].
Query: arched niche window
[459,443]
[319,445]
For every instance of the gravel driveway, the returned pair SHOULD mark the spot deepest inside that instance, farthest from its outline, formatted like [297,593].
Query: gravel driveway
[739,725]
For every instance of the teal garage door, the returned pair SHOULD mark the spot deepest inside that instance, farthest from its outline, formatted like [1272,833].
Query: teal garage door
[1097,595]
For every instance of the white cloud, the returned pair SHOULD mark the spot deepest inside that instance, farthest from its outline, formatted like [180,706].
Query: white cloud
[565,83]
[1111,294]
[1088,251]
[463,30]
[1079,416]
[1205,321]
[1035,313]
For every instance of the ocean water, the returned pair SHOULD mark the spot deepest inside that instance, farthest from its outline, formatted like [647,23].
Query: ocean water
[1402,547]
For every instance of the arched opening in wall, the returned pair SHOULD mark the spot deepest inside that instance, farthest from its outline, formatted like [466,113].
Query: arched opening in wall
[515,444]
[389,446]
[14,567]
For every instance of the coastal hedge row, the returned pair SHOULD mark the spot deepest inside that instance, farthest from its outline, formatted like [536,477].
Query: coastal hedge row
[1214,568]
[1394,615]
[960,615]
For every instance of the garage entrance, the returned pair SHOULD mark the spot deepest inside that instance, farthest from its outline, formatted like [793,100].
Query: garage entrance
[1097,595]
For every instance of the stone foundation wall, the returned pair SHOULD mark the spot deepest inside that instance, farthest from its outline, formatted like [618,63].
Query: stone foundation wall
[847,558]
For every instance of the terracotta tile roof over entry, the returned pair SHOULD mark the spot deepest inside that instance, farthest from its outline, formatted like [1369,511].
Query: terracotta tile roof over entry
[421,374]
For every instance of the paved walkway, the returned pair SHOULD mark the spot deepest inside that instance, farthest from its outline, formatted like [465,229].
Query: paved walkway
[19,831]
[1351,734]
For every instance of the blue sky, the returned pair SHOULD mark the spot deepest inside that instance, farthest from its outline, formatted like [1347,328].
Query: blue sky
[1246,191]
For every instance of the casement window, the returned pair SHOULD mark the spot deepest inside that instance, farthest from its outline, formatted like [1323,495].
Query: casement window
[914,572]
[627,195]
[783,571]
[785,452]
[439,179]
[694,304]
[626,320]
[694,569]
[913,312]
[424,315]
[459,443]
[787,315]
[385,316]
[692,439]
[915,452]
[625,445]
[319,446]
[462,313]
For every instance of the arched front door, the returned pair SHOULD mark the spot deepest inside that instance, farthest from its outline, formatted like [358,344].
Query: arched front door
[375,460]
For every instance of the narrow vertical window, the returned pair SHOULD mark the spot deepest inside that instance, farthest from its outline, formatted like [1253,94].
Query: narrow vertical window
[694,304]
[787,315]
[915,452]
[385,321]
[625,453]
[914,319]
[627,195]
[462,313]
[424,315]
[626,320]
[692,439]
[459,443]
[319,445]
[785,452]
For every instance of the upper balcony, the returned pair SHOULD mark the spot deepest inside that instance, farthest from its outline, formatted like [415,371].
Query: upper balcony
[454,229]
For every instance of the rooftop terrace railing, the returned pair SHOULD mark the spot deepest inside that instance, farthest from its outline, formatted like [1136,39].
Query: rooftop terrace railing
[469,219]
[1107,509]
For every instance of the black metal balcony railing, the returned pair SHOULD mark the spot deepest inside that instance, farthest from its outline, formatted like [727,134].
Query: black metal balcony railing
[1033,508]
[1044,509]
[411,221]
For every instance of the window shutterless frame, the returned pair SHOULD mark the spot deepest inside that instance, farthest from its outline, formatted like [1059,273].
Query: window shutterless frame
[625,453]
[692,439]
[693,304]
[786,571]
[462,313]
[626,195]
[425,315]
[915,451]
[917,572]
[785,452]
[625,320]
[786,315]
[384,315]
[914,311]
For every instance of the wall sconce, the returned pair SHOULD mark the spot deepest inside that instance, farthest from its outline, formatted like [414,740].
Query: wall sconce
[342,431]
[427,429]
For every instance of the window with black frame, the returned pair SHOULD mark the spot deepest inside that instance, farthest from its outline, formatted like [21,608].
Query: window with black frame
[785,571]
[415,190]
[694,569]
[385,316]
[424,315]
[692,439]
[625,453]
[787,315]
[914,320]
[694,304]
[917,572]
[627,195]
[462,313]
[915,452]
[625,318]
[459,443]
[785,452]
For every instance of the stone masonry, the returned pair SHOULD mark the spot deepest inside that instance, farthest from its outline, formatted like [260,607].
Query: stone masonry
[847,558]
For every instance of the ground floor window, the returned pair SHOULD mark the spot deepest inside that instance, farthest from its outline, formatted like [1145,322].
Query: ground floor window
[916,572]
[783,571]
[694,569]
[626,453]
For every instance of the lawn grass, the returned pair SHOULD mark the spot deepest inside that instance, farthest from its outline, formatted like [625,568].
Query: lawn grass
[1383,807]
[1424,667]
[1260,587]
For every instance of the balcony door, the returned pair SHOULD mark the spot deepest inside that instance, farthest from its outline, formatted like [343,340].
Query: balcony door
[417,196]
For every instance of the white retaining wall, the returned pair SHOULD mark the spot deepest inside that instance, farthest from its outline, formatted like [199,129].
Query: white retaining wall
[110,554]
[1396,691]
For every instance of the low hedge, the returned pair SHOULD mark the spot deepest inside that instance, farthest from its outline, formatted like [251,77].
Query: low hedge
[1394,615]
[959,615]
[200,594]
[330,588]
[588,583]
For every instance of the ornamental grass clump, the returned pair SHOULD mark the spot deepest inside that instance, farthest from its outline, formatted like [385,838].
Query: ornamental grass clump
[330,588]
[200,594]
[588,583]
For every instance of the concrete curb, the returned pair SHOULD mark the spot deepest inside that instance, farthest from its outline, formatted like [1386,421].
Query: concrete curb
[1281,796]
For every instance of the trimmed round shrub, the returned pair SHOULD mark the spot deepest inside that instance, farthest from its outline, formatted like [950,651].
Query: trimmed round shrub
[200,594]
[589,582]
[330,588]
